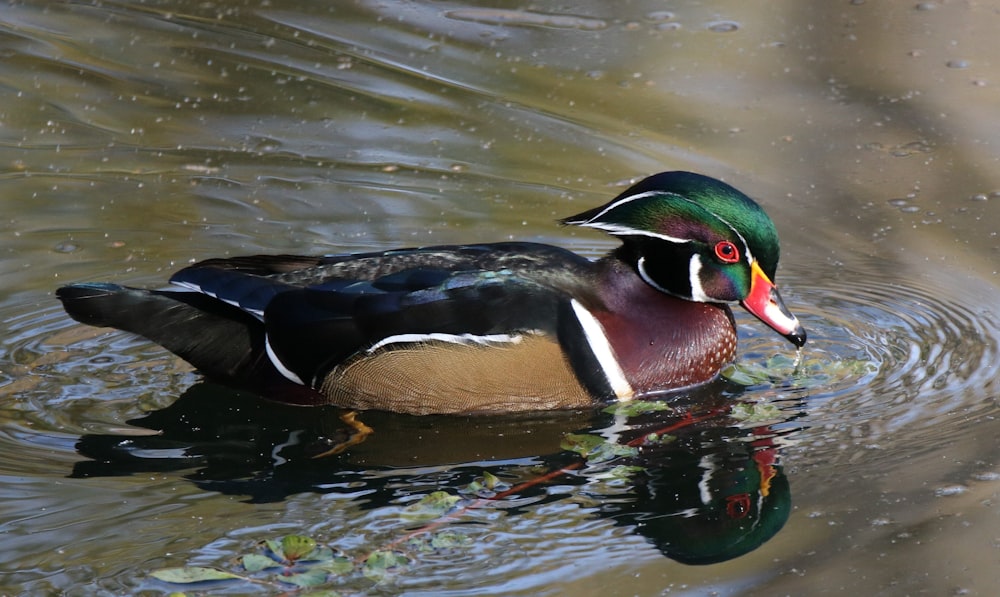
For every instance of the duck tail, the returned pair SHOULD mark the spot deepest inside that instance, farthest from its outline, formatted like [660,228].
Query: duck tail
[218,339]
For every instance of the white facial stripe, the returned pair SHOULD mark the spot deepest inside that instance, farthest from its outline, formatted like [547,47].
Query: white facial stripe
[641,266]
[614,205]
[747,257]
[694,278]
[603,352]
[452,338]
[285,371]
[619,230]
[694,269]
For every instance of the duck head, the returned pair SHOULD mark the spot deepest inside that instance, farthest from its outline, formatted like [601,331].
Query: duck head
[699,239]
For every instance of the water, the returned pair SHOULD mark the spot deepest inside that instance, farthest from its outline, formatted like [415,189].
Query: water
[137,138]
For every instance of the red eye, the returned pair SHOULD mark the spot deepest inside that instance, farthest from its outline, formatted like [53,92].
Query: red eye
[727,252]
[738,506]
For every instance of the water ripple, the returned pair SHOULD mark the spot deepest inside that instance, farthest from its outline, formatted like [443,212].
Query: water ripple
[886,357]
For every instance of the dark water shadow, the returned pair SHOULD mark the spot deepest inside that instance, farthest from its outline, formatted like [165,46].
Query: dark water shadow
[699,484]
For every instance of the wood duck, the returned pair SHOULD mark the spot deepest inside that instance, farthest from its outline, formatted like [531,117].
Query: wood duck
[500,327]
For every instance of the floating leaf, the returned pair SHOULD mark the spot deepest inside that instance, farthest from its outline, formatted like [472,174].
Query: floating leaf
[631,408]
[386,559]
[622,471]
[780,361]
[432,505]
[757,412]
[436,541]
[808,373]
[310,578]
[275,546]
[595,448]
[254,562]
[192,574]
[449,540]
[322,553]
[486,486]
[296,547]
[740,373]
[491,481]
[581,443]
[337,565]
[381,562]
[659,438]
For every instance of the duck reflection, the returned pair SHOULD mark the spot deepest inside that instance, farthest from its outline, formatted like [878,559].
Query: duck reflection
[712,491]
[701,481]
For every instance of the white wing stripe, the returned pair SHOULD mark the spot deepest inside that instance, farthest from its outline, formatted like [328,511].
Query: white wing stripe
[258,313]
[285,371]
[453,338]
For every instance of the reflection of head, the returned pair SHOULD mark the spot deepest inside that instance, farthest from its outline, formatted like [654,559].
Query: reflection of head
[715,533]
[710,507]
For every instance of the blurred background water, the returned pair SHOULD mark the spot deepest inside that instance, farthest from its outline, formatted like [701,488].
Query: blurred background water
[136,137]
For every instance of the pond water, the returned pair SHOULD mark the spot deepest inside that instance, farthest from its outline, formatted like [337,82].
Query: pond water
[136,137]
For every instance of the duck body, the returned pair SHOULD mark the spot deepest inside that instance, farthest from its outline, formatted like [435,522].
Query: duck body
[496,327]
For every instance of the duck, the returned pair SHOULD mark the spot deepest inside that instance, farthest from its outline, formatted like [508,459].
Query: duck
[478,328]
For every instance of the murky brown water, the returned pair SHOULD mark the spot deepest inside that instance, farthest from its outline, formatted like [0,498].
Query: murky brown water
[136,137]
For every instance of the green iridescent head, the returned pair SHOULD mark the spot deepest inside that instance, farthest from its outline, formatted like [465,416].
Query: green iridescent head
[699,239]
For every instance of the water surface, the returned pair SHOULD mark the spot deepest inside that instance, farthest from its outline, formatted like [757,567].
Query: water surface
[138,137]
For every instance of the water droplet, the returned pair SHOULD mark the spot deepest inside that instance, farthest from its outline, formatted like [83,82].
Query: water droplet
[265,146]
[950,490]
[957,63]
[723,26]
[66,246]
[926,6]
[979,197]
[658,16]
[902,151]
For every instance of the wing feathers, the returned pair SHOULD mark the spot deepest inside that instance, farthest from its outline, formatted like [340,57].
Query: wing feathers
[246,318]
[220,340]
